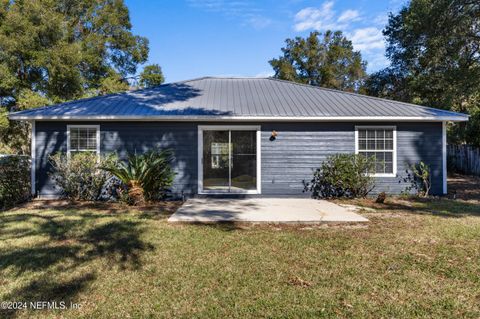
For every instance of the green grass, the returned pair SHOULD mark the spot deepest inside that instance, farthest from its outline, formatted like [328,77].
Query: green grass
[414,259]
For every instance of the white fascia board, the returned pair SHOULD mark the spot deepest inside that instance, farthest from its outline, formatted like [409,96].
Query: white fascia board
[245,118]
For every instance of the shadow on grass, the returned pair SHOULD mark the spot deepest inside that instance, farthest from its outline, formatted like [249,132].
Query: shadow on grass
[119,241]
[442,207]
[163,212]
[57,244]
[37,258]
[227,226]
[464,187]
[155,210]
[48,290]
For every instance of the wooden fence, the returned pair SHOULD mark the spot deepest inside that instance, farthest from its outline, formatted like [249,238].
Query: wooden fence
[464,159]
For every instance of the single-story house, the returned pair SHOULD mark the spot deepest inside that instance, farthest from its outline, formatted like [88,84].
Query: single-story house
[244,135]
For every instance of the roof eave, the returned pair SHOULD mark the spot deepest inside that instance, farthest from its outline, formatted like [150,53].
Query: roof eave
[459,118]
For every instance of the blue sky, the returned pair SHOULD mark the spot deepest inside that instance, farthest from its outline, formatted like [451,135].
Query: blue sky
[193,38]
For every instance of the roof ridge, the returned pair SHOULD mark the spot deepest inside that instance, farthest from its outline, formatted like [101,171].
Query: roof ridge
[226,78]
[360,95]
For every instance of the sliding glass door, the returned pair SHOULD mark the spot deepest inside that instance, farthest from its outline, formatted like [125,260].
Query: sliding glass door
[216,160]
[243,164]
[229,160]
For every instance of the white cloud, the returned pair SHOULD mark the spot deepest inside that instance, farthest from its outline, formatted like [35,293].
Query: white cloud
[366,36]
[349,16]
[367,39]
[310,13]
[317,18]
[381,19]
[264,74]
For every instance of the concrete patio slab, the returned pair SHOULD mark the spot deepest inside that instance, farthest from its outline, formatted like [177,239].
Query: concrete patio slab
[269,210]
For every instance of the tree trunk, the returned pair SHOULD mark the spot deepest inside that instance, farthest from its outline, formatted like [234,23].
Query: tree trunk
[135,192]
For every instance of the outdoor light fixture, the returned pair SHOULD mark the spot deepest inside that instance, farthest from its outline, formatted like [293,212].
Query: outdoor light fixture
[274,135]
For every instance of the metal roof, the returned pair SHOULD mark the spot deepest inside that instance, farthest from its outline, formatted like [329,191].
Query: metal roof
[211,98]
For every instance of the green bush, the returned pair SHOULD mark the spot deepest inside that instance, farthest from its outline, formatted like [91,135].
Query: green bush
[14,180]
[80,177]
[147,176]
[419,178]
[342,175]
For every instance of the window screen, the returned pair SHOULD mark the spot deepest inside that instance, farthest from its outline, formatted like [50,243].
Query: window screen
[83,139]
[377,143]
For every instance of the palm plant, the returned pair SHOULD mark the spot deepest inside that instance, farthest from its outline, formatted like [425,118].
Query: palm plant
[147,176]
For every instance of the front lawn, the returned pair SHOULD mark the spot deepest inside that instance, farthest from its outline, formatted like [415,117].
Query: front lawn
[414,259]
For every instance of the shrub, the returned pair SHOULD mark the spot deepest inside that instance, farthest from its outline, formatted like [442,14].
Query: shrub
[148,176]
[14,180]
[80,177]
[381,198]
[419,177]
[342,175]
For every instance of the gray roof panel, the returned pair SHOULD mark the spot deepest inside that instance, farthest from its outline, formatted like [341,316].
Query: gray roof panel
[212,98]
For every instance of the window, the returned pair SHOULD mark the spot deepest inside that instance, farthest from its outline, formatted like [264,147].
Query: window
[378,143]
[83,138]
[219,155]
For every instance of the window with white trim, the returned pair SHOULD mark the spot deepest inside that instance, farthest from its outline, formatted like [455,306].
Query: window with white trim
[83,138]
[379,144]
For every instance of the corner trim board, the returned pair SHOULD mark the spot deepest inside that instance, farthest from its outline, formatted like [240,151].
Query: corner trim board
[33,159]
[444,157]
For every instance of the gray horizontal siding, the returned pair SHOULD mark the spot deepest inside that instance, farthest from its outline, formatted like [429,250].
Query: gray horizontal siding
[297,151]
[300,148]
[287,161]
[123,138]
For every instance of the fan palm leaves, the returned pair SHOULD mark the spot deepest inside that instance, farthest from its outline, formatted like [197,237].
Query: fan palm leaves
[147,176]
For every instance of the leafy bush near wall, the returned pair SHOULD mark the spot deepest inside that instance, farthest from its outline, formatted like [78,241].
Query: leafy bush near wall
[14,180]
[419,179]
[80,177]
[342,175]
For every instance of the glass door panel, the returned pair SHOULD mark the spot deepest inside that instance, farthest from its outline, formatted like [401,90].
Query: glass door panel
[243,164]
[229,161]
[216,158]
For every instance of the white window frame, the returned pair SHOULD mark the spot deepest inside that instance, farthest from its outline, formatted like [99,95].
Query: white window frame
[379,127]
[202,128]
[96,127]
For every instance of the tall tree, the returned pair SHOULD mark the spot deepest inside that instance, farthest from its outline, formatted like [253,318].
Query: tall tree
[58,50]
[434,49]
[151,75]
[326,60]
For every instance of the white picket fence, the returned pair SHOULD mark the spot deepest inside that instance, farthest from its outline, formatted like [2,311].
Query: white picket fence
[464,159]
